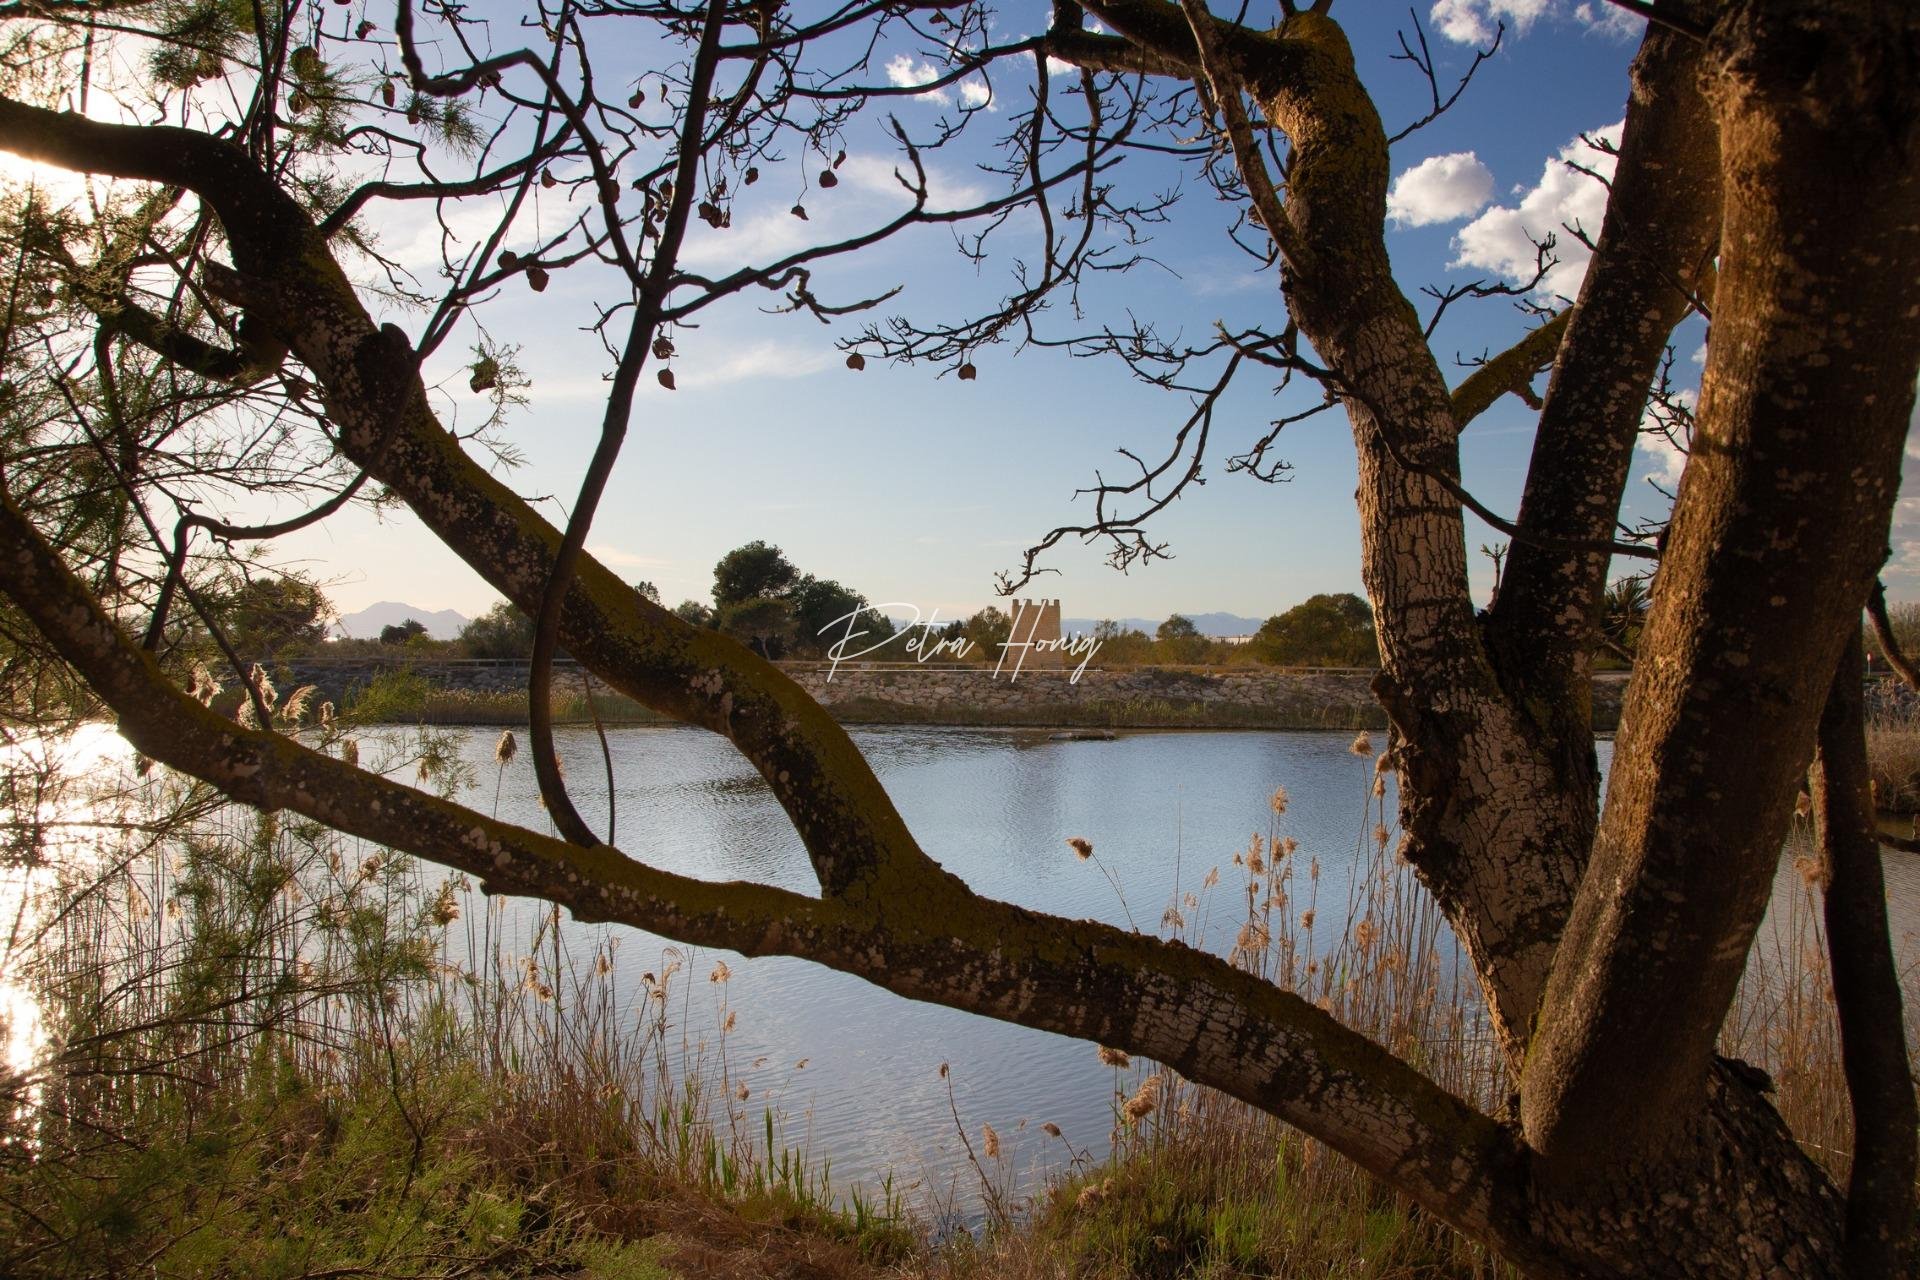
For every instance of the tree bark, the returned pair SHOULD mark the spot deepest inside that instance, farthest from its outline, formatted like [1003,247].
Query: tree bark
[1779,528]
[1662,222]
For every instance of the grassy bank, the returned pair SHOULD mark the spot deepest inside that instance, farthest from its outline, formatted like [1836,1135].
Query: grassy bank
[277,1052]
[406,697]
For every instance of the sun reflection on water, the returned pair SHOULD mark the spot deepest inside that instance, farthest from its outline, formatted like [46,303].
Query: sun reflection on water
[65,803]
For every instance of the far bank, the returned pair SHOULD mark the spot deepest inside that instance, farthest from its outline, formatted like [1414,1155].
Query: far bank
[477,691]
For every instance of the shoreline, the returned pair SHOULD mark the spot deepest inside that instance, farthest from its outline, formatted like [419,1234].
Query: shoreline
[456,692]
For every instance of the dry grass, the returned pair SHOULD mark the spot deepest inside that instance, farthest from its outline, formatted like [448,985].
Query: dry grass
[1199,1185]
[1893,754]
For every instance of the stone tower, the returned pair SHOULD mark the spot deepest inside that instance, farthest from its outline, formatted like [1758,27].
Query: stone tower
[1035,621]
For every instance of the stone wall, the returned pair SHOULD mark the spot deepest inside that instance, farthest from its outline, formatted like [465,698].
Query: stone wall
[1254,697]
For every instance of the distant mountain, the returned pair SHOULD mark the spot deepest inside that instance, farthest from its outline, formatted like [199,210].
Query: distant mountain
[1209,624]
[441,624]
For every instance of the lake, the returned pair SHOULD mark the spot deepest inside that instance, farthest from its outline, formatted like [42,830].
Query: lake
[996,807]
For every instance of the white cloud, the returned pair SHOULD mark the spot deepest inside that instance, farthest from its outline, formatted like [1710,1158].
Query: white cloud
[868,196]
[1610,20]
[754,240]
[1440,189]
[975,93]
[702,365]
[1667,459]
[876,174]
[1474,21]
[904,73]
[1055,67]
[1498,240]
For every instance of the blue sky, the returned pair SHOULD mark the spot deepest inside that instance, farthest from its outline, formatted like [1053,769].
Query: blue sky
[917,488]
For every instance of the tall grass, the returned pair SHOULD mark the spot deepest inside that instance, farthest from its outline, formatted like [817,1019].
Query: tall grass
[270,1050]
[1893,756]
[407,697]
[1196,1184]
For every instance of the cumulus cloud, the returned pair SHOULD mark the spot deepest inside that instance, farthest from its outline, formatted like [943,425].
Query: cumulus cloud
[1475,21]
[1501,240]
[975,93]
[904,73]
[1440,189]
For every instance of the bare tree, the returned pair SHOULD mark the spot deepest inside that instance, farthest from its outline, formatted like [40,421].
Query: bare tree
[1768,172]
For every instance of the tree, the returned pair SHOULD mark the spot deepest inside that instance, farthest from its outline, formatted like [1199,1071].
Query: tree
[403,632]
[648,591]
[752,571]
[1178,640]
[1320,631]
[1121,646]
[765,622]
[270,613]
[1768,171]
[819,606]
[988,631]
[693,613]
[504,631]
[1624,614]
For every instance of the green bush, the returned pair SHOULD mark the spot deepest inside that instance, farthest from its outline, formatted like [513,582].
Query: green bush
[393,697]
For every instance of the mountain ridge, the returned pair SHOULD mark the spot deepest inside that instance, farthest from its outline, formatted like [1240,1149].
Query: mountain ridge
[366,624]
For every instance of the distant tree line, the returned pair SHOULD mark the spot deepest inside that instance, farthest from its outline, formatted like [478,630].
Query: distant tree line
[762,599]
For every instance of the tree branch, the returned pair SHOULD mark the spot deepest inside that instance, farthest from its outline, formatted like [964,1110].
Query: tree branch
[1889,643]
[1509,371]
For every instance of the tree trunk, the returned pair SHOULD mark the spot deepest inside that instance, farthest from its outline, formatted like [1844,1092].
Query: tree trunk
[1779,529]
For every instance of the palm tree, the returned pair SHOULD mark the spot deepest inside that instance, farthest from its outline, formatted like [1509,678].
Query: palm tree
[1623,613]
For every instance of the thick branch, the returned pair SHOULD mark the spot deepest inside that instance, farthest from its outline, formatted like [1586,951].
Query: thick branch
[1889,643]
[1219,1025]
[1662,223]
[1509,371]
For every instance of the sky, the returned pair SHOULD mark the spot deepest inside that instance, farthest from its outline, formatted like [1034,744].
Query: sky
[916,488]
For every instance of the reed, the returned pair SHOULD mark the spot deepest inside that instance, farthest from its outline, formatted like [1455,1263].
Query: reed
[267,1049]
[1893,755]
[1196,1184]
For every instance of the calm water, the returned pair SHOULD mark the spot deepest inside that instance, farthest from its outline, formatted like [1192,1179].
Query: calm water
[996,807]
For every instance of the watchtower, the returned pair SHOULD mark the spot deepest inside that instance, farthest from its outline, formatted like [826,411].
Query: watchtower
[1035,622]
